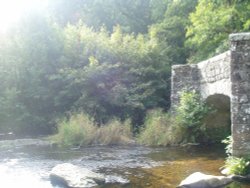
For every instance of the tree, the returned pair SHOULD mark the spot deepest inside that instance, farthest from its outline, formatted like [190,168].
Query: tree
[111,76]
[132,15]
[30,56]
[212,22]
[171,31]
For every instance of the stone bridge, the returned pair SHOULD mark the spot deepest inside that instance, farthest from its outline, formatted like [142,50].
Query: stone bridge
[224,82]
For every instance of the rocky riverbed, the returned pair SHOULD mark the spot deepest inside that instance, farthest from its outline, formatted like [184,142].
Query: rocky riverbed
[29,165]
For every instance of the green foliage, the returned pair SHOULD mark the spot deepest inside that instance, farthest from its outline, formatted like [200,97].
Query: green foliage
[212,22]
[114,132]
[116,76]
[76,131]
[190,113]
[237,166]
[89,56]
[28,57]
[160,129]
[80,130]
[10,106]
[132,15]
[171,31]
[78,69]
[229,145]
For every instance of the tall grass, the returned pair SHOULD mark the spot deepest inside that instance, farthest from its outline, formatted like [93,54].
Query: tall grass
[114,132]
[80,130]
[76,131]
[160,129]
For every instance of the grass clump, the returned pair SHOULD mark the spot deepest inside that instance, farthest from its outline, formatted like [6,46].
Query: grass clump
[114,133]
[160,129]
[80,130]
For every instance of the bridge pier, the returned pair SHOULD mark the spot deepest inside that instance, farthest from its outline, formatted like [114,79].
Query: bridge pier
[240,97]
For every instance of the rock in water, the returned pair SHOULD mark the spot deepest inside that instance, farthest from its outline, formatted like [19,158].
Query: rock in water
[200,180]
[73,176]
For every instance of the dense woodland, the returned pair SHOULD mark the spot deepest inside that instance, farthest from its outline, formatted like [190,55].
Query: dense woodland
[106,58]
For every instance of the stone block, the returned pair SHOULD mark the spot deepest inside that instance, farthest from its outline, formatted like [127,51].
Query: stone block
[241,133]
[241,152]
[239,88]
[240,57]
[240,99]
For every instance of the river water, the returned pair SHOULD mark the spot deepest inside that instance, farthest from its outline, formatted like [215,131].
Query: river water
[28,166]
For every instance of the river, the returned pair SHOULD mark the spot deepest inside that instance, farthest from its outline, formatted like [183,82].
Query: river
[28,165]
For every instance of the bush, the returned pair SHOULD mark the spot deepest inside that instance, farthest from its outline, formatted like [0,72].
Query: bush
[229,144]
[190,114]
[187,126]
[237,166]
[160,129]
[80,130]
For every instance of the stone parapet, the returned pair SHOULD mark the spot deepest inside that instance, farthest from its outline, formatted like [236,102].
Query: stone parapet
[239,36]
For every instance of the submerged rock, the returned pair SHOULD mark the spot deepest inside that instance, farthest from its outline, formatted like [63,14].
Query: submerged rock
[116,179]
[73,176]
[200,180]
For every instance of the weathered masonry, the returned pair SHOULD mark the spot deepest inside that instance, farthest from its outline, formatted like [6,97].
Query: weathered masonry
[223,80]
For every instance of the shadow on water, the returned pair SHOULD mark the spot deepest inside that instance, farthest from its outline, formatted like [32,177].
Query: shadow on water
[135,167]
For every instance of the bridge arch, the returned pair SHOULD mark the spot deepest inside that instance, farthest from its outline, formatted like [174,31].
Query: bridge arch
[218,123]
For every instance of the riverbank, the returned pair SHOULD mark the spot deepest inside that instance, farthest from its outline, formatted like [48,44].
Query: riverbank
[26,142]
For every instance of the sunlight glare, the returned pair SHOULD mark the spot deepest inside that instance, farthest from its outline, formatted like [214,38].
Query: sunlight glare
[12,10]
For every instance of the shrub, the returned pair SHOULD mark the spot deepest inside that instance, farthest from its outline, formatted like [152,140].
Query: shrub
[237,166]
[160,129]
[190,114]
[187,126]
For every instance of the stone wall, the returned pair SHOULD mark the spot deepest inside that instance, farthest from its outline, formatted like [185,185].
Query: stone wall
[207,78]
[227,74]
[240,100]
[184,77]
[215,76]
